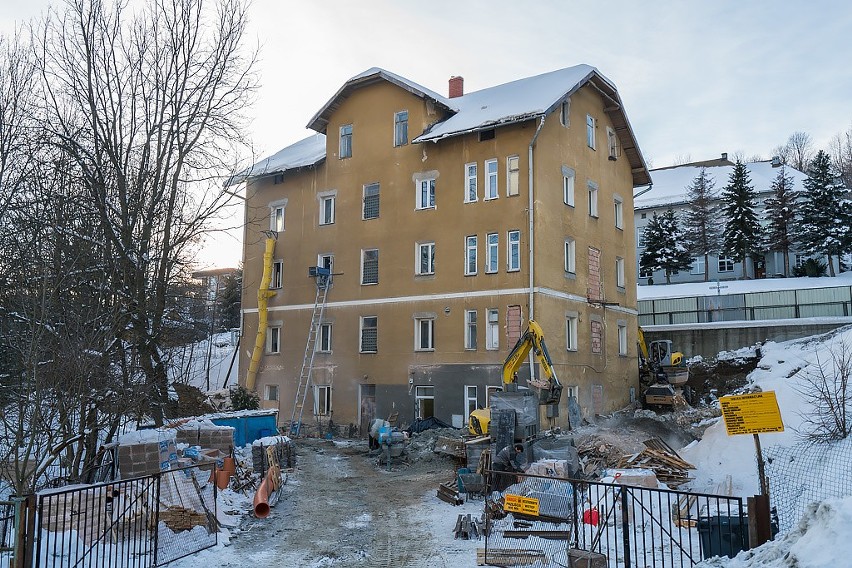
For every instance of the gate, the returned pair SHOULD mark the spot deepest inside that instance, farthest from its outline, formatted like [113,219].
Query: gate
[557,521]
[135,523]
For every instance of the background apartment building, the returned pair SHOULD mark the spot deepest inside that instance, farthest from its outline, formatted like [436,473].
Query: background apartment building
[448,223]
[670,190]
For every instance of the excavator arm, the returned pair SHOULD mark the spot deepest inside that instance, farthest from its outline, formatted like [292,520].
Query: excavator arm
[533,339]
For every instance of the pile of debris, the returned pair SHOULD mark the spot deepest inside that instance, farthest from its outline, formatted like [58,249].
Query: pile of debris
[597,455]
[660,458]
[468,527]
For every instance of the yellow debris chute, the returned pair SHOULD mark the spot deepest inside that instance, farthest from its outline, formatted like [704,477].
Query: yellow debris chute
[263,295]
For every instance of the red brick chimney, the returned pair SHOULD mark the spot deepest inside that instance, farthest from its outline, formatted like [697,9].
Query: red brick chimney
[456,87]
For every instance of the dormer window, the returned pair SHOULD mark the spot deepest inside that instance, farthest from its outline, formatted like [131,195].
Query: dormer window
[486,135]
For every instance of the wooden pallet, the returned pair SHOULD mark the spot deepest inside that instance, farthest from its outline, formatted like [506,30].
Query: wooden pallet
[509,557]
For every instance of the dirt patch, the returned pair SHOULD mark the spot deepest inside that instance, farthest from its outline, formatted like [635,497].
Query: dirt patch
[711,379]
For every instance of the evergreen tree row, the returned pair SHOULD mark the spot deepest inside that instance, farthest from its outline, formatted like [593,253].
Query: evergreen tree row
[816,221]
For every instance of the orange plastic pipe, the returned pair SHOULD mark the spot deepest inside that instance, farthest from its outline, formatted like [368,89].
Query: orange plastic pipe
[267,486]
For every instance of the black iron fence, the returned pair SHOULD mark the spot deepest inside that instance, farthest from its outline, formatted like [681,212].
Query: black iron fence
[556,522]
[134,523]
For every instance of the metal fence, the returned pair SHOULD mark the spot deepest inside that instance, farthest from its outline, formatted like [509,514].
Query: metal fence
[135,523]
[752,306]
[560,521]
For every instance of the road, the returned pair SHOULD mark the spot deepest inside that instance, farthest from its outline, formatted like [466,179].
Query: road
[338,508]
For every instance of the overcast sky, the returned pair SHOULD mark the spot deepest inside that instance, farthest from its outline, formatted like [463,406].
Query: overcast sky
[696,78]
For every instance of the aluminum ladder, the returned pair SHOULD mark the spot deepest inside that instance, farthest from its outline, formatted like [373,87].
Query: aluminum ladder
[323,281]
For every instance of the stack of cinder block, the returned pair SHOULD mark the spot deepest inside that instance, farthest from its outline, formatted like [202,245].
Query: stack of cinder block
[144,453]
[207,435]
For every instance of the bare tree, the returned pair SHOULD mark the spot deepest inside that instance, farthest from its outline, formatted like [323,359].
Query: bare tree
[840,149]
[827,390]
[146,105]
[798,151]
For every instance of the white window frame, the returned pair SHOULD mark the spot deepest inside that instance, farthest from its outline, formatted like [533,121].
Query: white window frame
[593,191]
[362,328]
[400,128]
[277,212]
[492,189]
[618,205]
[370,186]
[565,112]
[423,393]
[322,393]
[728,265]
[622,338]
[698,266]
[640,237]
[324,337]
[364,254]
[425,194]
[569,178]
[513,250]
[619,272]
[471,189]
[513,175]
[572,325]
[419,268]
[470,322]
[591,125]
[270,392]
[345,148]
[277,279]
[570,256]
[326,260]
[424,334]
[273,340]
[326,209]
[471,400]
[470,254]
[492,248]
[492,329]
[612,143]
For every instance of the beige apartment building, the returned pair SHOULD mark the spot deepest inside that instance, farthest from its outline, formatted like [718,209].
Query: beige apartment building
[447,222]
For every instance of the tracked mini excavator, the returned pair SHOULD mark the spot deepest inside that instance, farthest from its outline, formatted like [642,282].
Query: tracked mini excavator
[663,369]
[549,388]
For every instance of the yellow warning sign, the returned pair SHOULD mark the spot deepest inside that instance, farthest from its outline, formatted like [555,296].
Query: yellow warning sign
[754,413]
[519,504]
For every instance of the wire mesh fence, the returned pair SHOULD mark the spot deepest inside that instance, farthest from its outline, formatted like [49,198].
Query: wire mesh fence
[804,473]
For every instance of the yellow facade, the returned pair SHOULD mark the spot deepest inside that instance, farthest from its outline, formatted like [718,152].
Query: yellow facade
[409,374]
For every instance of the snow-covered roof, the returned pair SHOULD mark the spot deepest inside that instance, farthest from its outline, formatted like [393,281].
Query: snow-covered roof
[533,97]
[670,185]
[319,122]
[302,154]
[510,102]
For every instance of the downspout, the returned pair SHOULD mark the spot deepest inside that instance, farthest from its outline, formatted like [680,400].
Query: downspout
[531,218]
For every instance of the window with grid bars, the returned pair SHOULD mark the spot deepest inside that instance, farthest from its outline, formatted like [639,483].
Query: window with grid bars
[369,334]
[470,329]
[370,266]
[371,201]
[400,128]
[514,251]
[346,141]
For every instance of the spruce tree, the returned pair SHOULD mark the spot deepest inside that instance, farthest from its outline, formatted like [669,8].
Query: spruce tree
[701,226]
[742,235]
[824,212]
[780,211]
[665,246]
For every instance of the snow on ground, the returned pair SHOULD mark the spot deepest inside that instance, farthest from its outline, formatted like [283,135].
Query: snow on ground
[824,533]
[740,286]
[188,364]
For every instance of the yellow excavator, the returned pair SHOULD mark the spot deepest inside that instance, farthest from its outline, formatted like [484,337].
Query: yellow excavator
[662,367]
[550,390]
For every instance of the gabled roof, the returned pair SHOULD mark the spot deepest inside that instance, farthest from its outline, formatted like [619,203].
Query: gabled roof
[533,97]
[302,154]
[319,122]
[671,184]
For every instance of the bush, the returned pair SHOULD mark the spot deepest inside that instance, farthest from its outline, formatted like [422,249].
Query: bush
[811,267]
[244,399]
